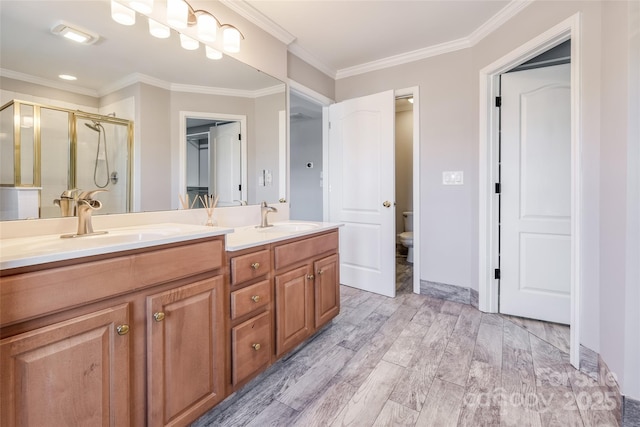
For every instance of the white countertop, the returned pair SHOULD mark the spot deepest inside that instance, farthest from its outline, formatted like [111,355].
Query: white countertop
[249,236]
[34,250]
[25,251]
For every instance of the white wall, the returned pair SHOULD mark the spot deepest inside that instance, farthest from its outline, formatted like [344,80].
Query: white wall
[449,88]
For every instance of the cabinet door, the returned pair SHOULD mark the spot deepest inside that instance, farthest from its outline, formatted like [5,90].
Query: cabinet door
[185,352]
[73,373]
[294,306]
[327,289]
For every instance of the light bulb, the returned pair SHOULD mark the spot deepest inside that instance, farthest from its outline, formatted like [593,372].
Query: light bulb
[158,30]
[207,27]
[231,39]
[122,14]
[177,13]
[213,53]
[142,6]
[188,43]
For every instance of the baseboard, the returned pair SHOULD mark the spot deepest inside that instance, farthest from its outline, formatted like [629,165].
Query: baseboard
[450,292]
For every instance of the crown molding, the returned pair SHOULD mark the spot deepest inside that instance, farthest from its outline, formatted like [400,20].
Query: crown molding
[404,58]
[256,17]
[304,54]
[506,13]
[509,11]
[46,82]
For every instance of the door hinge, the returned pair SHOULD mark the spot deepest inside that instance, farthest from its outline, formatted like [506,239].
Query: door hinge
[496,273]
[240,187]
[329,125]
[497,188]
[498,101]
[239,137]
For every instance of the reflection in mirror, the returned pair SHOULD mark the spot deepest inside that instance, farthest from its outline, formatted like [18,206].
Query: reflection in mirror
[145,80]
[53,152]
[216,155]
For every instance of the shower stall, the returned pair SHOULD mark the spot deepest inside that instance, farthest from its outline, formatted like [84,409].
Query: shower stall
[47,150]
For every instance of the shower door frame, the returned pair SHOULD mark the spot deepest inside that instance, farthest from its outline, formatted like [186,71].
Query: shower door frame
[73,116]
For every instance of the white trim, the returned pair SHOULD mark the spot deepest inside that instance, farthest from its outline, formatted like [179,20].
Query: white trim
[256,17]
[488,223]
[182,149]
[415,92]
[309,94]
[307,57]
[10,74]
[506,13]
[404,58]
[509,11]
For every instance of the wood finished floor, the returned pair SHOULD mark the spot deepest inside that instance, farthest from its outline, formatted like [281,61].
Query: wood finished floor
[419,361]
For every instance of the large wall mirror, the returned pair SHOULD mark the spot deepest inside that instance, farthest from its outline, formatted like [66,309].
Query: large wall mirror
[127,75]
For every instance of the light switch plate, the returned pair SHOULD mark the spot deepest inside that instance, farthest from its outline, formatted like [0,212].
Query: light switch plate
[452,178]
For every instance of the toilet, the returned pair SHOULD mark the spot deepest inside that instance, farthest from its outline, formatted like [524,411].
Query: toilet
[406,237]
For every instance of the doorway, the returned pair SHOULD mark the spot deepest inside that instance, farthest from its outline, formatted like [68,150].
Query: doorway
[305,159]
[488,250]
[405,258]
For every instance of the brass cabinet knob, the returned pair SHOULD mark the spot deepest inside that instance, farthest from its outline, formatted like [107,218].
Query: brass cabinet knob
[387,204]
[256,346]
[255,265]
[122,329]
[320,271]
[255,298]
[311,277]
[158,317]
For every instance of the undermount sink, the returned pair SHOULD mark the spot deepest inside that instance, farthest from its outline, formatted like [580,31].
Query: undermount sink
[289,227]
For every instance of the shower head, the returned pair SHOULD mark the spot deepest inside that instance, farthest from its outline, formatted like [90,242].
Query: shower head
[95,126]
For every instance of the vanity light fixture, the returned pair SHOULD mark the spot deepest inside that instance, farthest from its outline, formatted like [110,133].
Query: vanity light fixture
[213,53]
[158,30]
[142,6]
[181,14]
[188,43]
[74,33]
[177,13]
[122,14]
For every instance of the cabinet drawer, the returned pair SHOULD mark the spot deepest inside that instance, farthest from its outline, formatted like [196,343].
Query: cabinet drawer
[250,266]
[251,298]
[250,347]
[292,253]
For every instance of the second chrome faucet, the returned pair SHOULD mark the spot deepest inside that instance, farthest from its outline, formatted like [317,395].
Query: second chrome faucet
[264,210]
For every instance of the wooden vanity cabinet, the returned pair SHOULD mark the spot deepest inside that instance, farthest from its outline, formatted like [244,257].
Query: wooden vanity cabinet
[74,372]
[250,299]
[81,344]
[307,288]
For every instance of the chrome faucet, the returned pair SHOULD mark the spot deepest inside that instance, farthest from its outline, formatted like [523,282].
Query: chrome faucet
[85,206]
[264,210]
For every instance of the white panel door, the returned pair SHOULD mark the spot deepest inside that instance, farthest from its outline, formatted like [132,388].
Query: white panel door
[362,190]
[535,199]
[225,174]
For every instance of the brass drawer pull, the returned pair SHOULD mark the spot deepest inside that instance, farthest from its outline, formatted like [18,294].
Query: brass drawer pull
[311,277]
[256,346]
[158,317]
[255,265]
[255,298]
[122,329]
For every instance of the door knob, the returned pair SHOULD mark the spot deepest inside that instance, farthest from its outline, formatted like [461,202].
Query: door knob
[386,204]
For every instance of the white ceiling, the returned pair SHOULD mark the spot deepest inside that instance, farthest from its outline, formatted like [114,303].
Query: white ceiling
[338,37]
[341,36]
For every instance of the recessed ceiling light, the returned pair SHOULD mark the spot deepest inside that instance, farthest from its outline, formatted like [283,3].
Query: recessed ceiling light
[67,77]
[77,34]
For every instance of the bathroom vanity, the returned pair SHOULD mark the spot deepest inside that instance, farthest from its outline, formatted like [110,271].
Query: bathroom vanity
[160,332]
